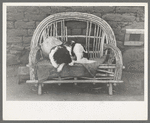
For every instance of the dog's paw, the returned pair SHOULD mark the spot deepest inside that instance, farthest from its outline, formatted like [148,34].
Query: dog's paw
[71,64]
[59,69]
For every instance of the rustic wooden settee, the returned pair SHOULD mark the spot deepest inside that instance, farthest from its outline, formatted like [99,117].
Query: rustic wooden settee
[99,40]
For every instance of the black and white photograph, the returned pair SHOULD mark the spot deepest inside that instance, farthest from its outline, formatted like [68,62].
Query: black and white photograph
[91,56]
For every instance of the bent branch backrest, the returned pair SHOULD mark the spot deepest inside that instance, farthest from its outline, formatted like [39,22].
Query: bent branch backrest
[54,25]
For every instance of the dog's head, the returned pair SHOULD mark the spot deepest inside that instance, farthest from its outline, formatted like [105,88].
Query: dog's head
[69,43]
[69,46]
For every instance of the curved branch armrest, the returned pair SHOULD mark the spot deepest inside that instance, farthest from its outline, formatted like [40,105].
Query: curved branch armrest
[118,57]
[32,56]
[32,62]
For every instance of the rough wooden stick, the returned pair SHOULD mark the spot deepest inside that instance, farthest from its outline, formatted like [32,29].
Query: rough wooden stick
[87,34]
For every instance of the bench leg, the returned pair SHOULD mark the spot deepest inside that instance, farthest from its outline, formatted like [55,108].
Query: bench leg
[110,89]
[39,89]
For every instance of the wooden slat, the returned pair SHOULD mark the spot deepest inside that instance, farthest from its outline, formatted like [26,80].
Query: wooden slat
[135,31]
[104,78]
[106,51]
[63,78]
[76,81]
[102,44]
[40,41]
[87,28]
[97,36]
[99,42]
[81,36]
[102,74]
[94,41]
[127,36]
[100,70]
[51,30]
[133,43]
[46,32]
[44,35]
[89,37]
[61,30]
[141,37]
[107,66]
[56,29]
[92,52]
[66,33]
[101,78]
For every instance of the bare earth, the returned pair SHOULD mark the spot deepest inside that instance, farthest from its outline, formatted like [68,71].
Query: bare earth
[65,92]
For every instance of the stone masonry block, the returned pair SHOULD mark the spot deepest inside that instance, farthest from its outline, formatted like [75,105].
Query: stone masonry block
[15,9]
[35,17]
[22,24]
[117,31]
[69,31]
[118,17]
[15,16]
[134,25]
[16,32]
[54,9]
[120,45]
[88,9]
[113,24]
[30,32]
[10,24]
[104,9]
[45,9]
[65,9]
[33,9]
[11,9]
[84,31]
[129,9]
[120,37]
[97,14]
[21,8]
[76,25]
[12,59]
[14,39]
[76,31]
[77,8]
[37,23]
[27,39]
[27,45]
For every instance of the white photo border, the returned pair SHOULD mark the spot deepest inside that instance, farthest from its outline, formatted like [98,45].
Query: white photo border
[75,110]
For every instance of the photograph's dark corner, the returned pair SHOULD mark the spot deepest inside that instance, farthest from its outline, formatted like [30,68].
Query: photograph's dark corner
[104,45]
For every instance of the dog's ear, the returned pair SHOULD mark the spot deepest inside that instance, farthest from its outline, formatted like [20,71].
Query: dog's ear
[72,42]
[67,43]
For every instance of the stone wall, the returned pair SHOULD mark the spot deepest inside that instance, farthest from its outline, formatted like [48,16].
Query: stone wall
[22,21]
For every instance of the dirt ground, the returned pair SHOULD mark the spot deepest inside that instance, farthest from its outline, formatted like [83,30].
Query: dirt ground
[65,92]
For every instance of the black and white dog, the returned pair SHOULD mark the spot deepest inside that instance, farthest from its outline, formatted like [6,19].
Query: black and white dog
[68,53]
